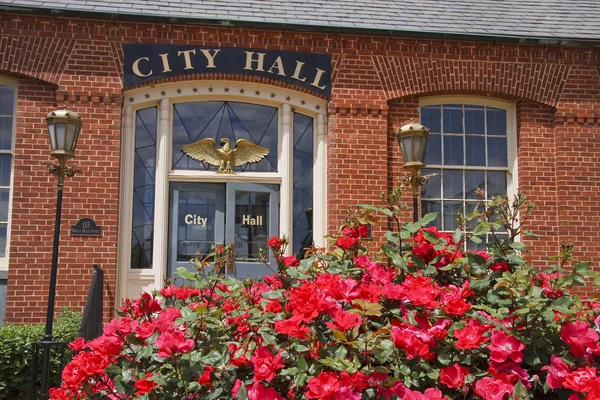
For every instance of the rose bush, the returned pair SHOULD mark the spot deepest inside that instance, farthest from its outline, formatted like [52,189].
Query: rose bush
[430,321]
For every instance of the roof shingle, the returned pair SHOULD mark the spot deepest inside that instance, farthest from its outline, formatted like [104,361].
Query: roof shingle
[539,19]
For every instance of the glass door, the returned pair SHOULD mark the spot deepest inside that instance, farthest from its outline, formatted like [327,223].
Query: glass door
[252,218]
[197,222]
[205,214]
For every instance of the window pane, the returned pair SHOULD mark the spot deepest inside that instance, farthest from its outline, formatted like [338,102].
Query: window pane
[303,184]
[497,152]
[451,211]
[496,121]
[5,168]
[3,234]
[431,118]
[475,150]
[433,188]
[453,150]
[4,198]
[474,180]
[453,184]
[217,120]
[496,183]
[6,133]
[143,188]
[433,154]
[453,118]
[7,100]
[428,206]
[474,120]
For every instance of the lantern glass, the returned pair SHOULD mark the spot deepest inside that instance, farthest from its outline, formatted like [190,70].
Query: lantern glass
[59,129]
[63,129]
[412,139]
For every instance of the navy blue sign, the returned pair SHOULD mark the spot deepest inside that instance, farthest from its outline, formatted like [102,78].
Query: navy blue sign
[148,62]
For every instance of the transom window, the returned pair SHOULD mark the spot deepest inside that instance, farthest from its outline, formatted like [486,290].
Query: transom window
[470,147]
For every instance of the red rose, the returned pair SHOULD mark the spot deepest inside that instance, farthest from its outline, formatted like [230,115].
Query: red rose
[293,327]
[265,364]
[324,386]
[579,335]
[471,336]
[274,243]
[504,346]
[557,372]
[581,380]
[363,230]
[344,320]
[346,242]
[144,386]
[290,261]
[492,389]
[454,376]
[456,307]
[205,379]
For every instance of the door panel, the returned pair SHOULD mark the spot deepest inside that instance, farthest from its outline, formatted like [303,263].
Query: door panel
[204,214]
[197,221]
[252,218]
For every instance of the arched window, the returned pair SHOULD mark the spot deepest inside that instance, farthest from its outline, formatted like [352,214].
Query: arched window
[173,206]
[472,145]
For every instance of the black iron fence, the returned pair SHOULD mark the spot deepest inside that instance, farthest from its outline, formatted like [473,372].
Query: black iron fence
[44,377]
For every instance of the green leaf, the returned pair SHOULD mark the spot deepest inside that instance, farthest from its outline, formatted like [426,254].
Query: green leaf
[482,229]
[217,392]
[480,284]
[427,218]
[272,294]
[341,353]
[430,237]
[520,392]
[302,364]
[477,263]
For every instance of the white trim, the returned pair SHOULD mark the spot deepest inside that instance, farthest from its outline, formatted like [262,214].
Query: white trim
[287,101]
[286,168]
[14,84]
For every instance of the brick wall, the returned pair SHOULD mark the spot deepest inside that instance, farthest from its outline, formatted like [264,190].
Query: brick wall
[377,82]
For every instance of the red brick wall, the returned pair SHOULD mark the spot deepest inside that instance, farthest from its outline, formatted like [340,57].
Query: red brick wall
[376,84]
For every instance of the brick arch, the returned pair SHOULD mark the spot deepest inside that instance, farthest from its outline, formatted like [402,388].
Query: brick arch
[37,57]
[405,76]
[229,77]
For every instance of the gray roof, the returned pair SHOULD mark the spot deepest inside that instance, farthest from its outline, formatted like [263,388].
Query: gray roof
[535,19]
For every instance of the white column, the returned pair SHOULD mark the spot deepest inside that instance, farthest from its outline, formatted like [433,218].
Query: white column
[320,182]
[125,203]
[161,197]
[286,164]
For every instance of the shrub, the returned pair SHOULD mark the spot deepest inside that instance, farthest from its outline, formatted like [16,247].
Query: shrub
[435,322]
[16,352]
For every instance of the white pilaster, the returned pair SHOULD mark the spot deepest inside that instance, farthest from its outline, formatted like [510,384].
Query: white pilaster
[161,198]
[320,182]
[286,165]
[125,202]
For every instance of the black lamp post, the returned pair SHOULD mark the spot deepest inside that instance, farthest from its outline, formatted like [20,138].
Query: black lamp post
[412,139]
[63,128]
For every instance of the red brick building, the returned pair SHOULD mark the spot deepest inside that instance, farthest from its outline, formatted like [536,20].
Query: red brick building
[512,97]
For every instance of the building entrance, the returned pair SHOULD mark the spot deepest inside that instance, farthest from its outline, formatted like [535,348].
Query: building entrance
[205,214]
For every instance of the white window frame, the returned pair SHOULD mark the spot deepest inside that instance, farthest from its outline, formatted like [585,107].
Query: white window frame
[512,180]
[14,83]
[131,282]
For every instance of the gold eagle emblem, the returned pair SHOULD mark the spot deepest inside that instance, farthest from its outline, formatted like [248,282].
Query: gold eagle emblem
[225,158]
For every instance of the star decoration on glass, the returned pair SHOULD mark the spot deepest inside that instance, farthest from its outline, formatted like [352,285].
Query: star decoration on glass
[163,93]
[210,89]
[226,90]
[242,91]
[317,107]
[195,90]
[288,98]
[147,95]
[178,91]
[257,93]
[272,95]
[303,102]
[131,99]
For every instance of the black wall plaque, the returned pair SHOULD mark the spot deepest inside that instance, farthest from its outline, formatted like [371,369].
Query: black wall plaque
[86,227]
[148,62]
